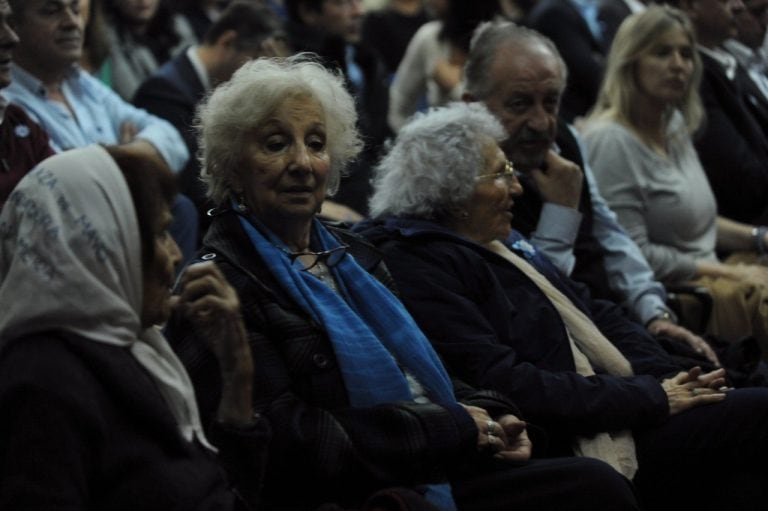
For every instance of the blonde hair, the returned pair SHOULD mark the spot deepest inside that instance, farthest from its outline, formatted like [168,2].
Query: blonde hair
[636,38]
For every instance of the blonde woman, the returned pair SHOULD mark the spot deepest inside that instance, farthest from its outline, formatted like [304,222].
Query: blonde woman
[639,140]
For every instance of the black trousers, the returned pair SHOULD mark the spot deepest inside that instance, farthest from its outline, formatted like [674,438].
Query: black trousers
[711,457]
[560,484]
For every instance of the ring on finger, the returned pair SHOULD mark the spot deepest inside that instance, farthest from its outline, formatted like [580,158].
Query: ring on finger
[695,392]
[490,428]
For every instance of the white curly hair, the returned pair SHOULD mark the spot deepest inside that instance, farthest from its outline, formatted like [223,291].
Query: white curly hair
[431,167]
[230,113]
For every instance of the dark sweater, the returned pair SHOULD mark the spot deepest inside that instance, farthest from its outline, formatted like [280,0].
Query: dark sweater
[84,427]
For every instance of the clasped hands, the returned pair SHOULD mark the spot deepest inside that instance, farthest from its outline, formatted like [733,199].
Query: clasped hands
[505,437]
[692,388]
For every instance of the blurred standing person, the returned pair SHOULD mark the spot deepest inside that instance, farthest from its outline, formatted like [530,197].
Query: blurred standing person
[575,28]
[142,35]
[245,30]
[332,29]
[388,30]
[432,66]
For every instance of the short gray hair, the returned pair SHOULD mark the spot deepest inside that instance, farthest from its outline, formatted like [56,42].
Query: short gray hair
[225,119]
[431,167]
[486,41]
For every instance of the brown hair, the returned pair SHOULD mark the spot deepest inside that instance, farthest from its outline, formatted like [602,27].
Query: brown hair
[152,186]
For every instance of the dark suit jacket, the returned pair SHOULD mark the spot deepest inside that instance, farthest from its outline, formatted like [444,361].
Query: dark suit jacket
[589,254]
[495,328]
[611,14]
[172,93]
[585,57]
[372,105]
[733,145]
[328,451]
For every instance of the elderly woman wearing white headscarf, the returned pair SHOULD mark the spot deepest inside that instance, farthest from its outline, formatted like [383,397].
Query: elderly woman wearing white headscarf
[356,396]
[98,413]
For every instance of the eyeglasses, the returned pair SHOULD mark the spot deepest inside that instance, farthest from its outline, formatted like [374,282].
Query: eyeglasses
[508,174]
[310,259]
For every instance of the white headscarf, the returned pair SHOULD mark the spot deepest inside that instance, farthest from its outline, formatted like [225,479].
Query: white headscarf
[70,260]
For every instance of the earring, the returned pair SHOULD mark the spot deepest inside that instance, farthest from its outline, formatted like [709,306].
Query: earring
[464,214]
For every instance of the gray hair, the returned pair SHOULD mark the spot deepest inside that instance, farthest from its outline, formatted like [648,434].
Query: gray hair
[486,41]
[432,165]
[225,119]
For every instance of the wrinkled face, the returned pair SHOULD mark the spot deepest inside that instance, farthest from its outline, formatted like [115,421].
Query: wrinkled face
[751,22]
[51,34]
[137,11]
[714,19]
[526,83]
[489,208]
[8,41]
[340,18]
[285,167]
[159,277]
[664,73]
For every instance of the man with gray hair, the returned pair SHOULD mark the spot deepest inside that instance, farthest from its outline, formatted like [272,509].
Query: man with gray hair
[519,75]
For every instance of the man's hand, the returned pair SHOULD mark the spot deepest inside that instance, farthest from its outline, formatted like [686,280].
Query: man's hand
[561,182]
[668,329]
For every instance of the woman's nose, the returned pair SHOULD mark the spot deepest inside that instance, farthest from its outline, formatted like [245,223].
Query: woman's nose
[514,186]
[301,159]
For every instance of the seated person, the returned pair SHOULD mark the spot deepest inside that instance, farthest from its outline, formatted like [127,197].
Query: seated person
[74,108]
[357,398]
[244,31]
[640,149]
[23,143]
[98,413]
[519,75]
[502,317]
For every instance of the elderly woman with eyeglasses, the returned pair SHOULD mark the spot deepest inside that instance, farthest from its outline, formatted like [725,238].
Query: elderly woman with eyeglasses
[358,400]
[502,317]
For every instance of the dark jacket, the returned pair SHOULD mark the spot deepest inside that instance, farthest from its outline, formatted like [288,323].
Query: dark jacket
[733,145]
[172,93]
[495,329]
[334,452]
[23,144]
[590,255]
[584,56]
[372,105]
[83,426]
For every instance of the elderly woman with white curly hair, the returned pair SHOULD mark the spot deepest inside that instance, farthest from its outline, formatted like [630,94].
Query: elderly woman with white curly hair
[502,317]
[358,400]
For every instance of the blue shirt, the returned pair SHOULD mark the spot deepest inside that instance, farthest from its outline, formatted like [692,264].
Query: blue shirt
[99,114]
[628,272]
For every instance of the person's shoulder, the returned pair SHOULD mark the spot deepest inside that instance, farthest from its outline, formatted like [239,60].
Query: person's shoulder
[428,31]
[606,131]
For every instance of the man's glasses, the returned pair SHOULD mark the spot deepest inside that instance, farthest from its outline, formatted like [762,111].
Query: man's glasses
[310,259]
[508,174]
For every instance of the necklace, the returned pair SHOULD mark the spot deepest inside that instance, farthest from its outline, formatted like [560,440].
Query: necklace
[321,272]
